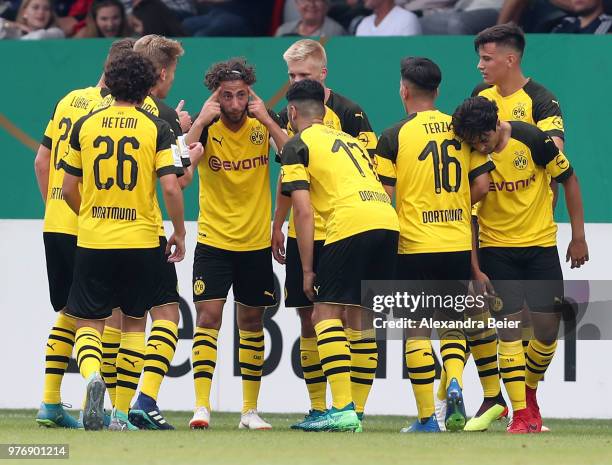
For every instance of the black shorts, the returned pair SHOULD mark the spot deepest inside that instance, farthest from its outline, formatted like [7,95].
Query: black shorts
[250,272]
[104,279]
[167,292]
[438,275]
[294,278]
[59,253]
[523,274]
[344,264]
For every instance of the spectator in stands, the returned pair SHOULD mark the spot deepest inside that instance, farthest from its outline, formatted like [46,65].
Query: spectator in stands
[35,20]
[455,16]
[588,18]
[231,18]
[181,8]
[155,17]
[388,19]
[106,18]
[8,9]
[313,21]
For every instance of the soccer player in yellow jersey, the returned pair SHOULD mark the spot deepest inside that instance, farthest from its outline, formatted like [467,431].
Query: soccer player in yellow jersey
[431,174]
[500,49]
[116,152]
[60,237]
[518,240]
[233,246]
[306,59]
[327,171]
[161,344]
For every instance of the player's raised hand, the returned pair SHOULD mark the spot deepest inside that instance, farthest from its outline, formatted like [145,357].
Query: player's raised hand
[178,241]
[257,107]
[184,118]
[577,252]
[196,150]
[278,246]
[211,108]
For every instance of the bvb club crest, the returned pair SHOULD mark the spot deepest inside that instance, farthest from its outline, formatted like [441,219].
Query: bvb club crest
[199,287]
[519,112]
[257,136]
[520,161]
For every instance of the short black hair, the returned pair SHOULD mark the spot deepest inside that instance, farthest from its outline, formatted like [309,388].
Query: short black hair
[421,72]
[306,89]
[474,117]
[130,77]
[503,34]
[234,69]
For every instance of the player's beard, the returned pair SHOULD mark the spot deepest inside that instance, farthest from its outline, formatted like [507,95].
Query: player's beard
[235,118]
[587,11]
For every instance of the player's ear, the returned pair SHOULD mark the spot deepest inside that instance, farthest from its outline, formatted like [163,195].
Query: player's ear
[323,73]
[162,75]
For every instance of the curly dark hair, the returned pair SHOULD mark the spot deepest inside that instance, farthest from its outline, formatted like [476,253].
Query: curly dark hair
[234,69]
[474,117]
[130,77]
[505,34]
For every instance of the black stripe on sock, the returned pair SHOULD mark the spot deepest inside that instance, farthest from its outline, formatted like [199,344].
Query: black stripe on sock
[155,329]
[57,358]
[485,360]
[537,372]
[157,358]
[335,358]
[537,364]
[55,371]
[62,338]
[485,373]
[515,379]
[452,345]
[94,348]
[311,368]
[204,343]
[80,359]
[165,340]
[336,370]
[451,356]
[332,329]
[332,339]
[127,384]
[485,340]
[202,374]
[413,351]
[363,370]
[319,379]
[422,381]
[363,341]
[246,347]
[110,385]
[249,366]
[373,350]
[251,378]
[111,355]
[543,354]
[199,333]
[423,369]
[63,330]
[368,382]
[124,372]
[252,339]
[204,363]
[110,345]
[131,353]
[511,369]
[155,370]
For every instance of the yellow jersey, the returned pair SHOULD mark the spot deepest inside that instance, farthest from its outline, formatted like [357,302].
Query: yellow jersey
[118,151]
[517,211]
[235,199]
[344,187]
[344,115]
[432,172]
[59,218]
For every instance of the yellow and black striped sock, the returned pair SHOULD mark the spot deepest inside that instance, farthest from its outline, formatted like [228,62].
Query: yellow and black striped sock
[161,346]
[364,361]
[130,361]
[335,358]
[441,393]
[57,355]
[88,348]
[204,360]
[527,335]
[111,340]
[512,368]
[251,358]
[452,349]
[483,344]
[316,383]
[422,372]
[537,359]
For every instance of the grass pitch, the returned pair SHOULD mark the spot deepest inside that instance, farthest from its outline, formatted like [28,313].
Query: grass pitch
[580,442]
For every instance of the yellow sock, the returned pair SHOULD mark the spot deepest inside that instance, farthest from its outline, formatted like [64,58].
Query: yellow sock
[204,360]
[251,358]
[316,383]
[483,344]
[57,355]
[441,393]
[88,348]
[161,346]
[364,360]
[130,361]
[422,372]
[527,335]
[335,358]
[452,349]
[111,340]
[512,368]
[537,359]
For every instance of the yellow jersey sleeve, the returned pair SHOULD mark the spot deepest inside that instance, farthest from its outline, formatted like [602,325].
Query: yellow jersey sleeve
[294,160]
[386,156]
[72,162]
[479,164]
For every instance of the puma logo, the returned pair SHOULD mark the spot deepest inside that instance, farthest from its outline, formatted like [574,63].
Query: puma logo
[51,346]
[373,358]
[316,289]
[109,364]
[155,346]
[218,141]
[359,115]
[425,354]
[130,362]
[269,294]
[555,102]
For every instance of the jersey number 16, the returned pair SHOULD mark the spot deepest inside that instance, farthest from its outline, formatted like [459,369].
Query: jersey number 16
[441,168]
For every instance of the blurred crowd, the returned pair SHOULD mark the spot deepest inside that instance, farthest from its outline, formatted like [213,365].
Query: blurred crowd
[53,19]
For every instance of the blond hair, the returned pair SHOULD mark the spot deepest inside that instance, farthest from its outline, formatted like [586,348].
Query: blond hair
[162,52]
[304,49]
[21,20]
